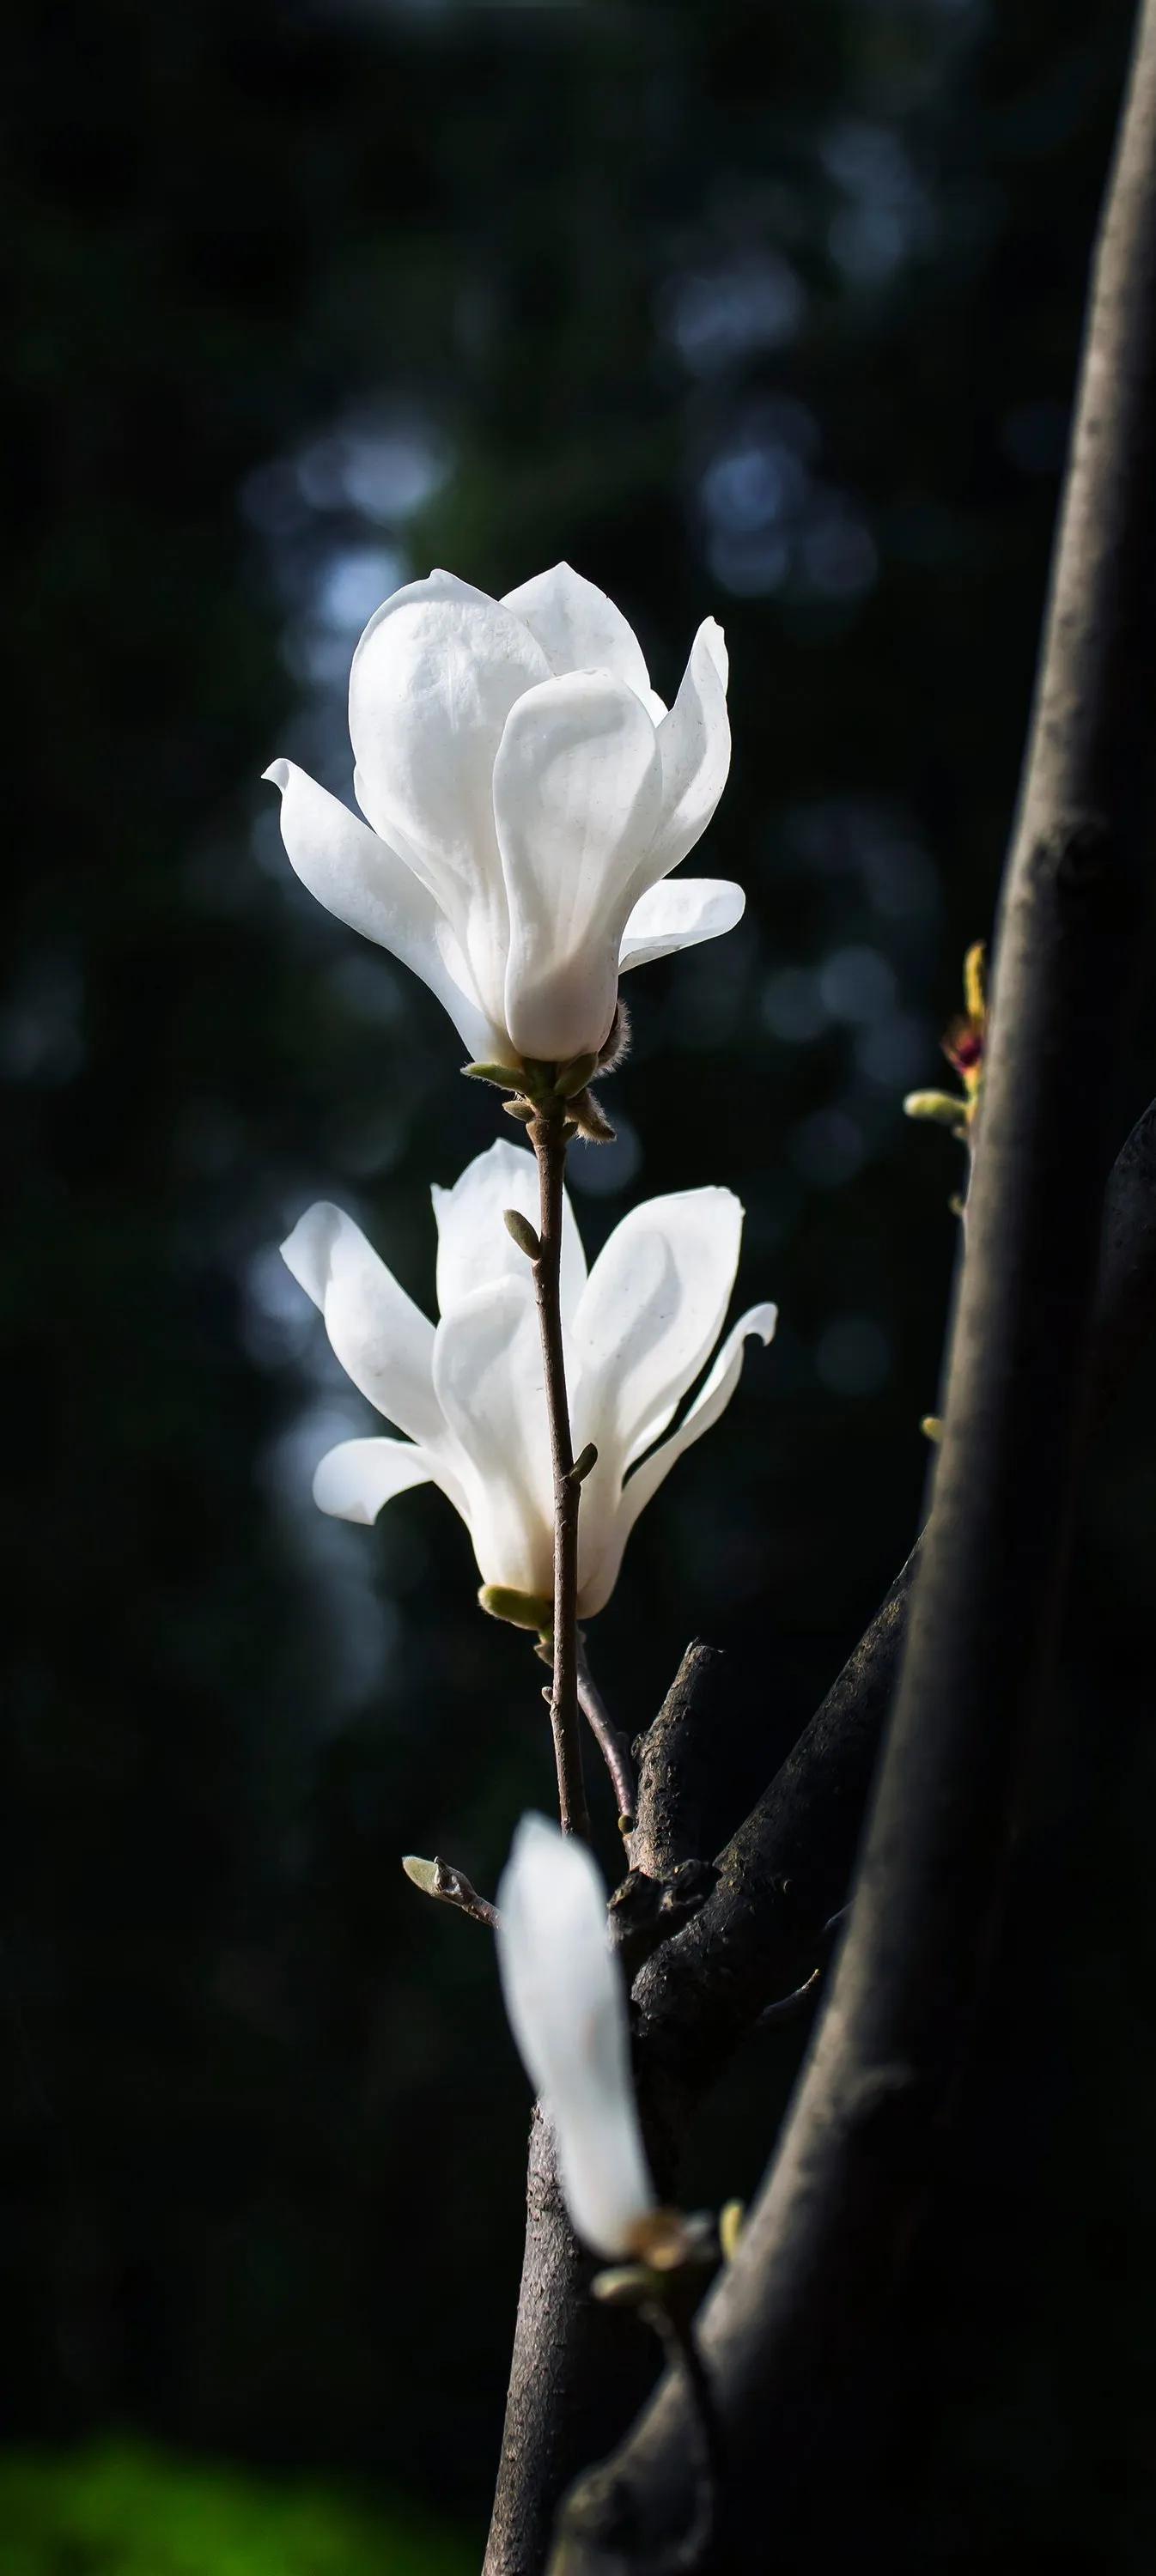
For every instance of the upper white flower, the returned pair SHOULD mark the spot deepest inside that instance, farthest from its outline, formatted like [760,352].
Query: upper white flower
[469,1396]
[526,794]
[567,2007]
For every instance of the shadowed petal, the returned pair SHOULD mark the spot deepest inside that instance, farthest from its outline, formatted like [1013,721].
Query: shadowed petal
[576,794]
[712,1399]
[355,1481]
[650,1315]
[383,1341]
[433,680]
[488,1379]
[579,628]
[678,913]
[473,1245]
[363,882]
[695,744]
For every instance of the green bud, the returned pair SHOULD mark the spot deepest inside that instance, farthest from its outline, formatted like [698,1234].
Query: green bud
[505,1076]
[521,1232]
[932,1428]
[939,1107]
[975,983]
[625,2285]
[574,1076]
[730,2221]
[523,1109]
[520,1609]
[585,1460]
[421,1873]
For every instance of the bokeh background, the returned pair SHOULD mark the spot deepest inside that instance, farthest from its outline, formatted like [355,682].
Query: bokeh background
[743,308]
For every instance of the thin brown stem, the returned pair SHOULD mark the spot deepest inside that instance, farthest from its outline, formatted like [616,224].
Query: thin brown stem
[613,1746]
[545,1134]
[680,2344]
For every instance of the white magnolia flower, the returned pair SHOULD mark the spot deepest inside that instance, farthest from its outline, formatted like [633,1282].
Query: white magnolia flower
[469,1396]
[526,796]
[567,2006]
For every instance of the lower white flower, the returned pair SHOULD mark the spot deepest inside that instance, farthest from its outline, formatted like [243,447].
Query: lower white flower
[469,1395]
[567,2006]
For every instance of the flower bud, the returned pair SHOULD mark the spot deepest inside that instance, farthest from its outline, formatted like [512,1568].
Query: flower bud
[521,1609]
[521,1232]
[939,1107]
[505,1076]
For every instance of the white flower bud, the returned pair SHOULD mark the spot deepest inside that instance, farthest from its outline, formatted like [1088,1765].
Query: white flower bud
[567,2006]
[526,796]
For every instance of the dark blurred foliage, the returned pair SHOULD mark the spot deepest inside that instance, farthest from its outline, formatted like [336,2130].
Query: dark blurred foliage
[120,2509]
[764,310]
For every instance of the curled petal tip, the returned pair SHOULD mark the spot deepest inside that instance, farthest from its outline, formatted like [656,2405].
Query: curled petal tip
[716,645]
[277,775]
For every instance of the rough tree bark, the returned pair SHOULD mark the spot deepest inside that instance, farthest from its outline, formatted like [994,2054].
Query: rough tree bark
[575,2366]
[828,2228]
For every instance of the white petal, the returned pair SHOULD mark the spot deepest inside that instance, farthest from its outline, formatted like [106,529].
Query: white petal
[576,790]
[383,1341]
[358,877]
[488,1379]
[354,1481]
[712,1399]
[678,913]
[567,2006]
[650,1315]
[433,680]
[473,1245]
[579,628]
[695,743]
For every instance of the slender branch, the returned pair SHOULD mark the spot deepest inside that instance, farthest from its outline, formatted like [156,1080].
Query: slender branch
[826,2235]
[612,1745]
[545,1134]
[668,1881]
[577,2368]
[692,2551]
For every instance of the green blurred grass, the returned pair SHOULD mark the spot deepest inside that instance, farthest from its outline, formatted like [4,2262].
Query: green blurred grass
[120,2509]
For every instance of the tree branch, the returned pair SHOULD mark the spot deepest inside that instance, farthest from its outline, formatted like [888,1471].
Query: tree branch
[578,2367]
[787,1867]
[673,1766]
[826,2234]
[613,1746]
[778,1880]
